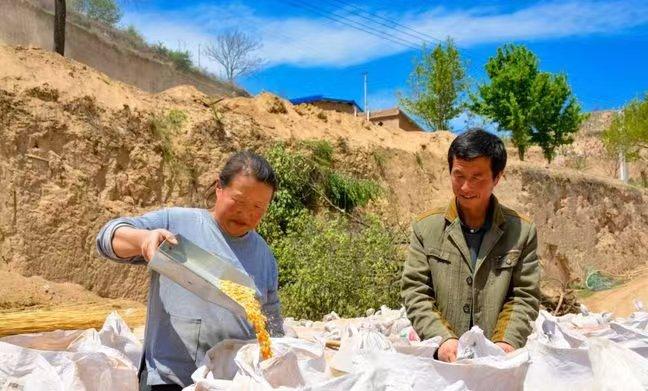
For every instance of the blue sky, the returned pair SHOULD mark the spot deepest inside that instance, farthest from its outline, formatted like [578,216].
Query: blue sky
[602,46]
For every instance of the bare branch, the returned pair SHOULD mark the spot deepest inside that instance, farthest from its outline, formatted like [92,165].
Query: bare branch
[233,50]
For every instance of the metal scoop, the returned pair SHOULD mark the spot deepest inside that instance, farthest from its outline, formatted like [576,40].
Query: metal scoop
[200,271]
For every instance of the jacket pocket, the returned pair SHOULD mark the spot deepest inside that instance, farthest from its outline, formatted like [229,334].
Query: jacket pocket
[434,254]
[508,260]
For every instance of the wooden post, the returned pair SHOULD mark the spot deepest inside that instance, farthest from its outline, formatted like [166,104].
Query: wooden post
[59,27]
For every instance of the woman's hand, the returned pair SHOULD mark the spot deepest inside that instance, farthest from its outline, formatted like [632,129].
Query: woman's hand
[152,240]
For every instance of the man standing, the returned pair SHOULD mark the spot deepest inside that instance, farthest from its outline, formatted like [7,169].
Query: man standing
[473,262]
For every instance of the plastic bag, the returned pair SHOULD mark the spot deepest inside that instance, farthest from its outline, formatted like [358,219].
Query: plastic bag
[355,342]
[473,344]
[616,367]
[71,360]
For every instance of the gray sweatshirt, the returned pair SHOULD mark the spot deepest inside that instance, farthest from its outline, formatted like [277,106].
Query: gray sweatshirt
[180,326]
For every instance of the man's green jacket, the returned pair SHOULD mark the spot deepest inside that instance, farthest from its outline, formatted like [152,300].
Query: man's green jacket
[444,295]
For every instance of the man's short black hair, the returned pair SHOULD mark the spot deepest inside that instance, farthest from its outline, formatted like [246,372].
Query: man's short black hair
[477,142]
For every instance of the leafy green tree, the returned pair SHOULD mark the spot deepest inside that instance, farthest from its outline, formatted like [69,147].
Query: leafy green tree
[507,98]
[105,11]
[437,84]
[555,114]
[628,132]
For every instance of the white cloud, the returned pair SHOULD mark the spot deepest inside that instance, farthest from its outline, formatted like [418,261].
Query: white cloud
[541,21]
[307,42]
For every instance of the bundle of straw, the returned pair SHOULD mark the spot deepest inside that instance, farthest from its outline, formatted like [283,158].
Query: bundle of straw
[70,317]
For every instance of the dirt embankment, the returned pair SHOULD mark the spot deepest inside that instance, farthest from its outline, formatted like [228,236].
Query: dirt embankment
[31,23]
[77,149]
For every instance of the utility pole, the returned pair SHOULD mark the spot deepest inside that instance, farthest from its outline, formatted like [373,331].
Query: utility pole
[59,27]
[623,167]
[198,55]
[366,109]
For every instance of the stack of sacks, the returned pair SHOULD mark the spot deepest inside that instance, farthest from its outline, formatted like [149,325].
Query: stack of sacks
[391,323]
[367,360]
[588,351]
[381,351]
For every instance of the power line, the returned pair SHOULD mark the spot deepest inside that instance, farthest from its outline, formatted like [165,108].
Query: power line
[418,35]
[355,25]
[422,34]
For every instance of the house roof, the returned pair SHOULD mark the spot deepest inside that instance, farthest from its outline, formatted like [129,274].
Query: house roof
[392,112]
[322,98]
[385,113]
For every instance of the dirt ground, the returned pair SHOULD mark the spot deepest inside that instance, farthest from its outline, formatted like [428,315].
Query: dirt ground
[18,292]
[620,299]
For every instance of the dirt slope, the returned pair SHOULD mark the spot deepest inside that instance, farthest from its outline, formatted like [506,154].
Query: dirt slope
[17,291]
[620,300]
[77,148]
[588,155]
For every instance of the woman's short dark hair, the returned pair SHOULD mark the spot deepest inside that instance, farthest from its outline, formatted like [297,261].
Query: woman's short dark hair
[251,164]
[246,163]
[477,142]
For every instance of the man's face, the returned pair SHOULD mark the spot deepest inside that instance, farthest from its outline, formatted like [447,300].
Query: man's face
[473,182]
[241,205]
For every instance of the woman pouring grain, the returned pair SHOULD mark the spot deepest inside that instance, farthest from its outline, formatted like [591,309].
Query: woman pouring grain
[180,326]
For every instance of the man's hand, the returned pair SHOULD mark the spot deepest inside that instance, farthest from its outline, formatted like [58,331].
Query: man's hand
[152,241]
[505,347]
[448,350]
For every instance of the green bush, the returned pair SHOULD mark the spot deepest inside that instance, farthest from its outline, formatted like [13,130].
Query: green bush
[326,264]
[180,58]
[164,127]
[347,193]
[307,182]
[322,152]
[296,177]
[134,35]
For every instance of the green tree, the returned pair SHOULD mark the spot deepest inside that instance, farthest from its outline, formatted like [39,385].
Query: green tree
[105,11]
[555,114]
[507,99]
[628,132]
[437,84]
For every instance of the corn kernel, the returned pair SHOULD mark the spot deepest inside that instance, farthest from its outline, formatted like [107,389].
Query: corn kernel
[246,298]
